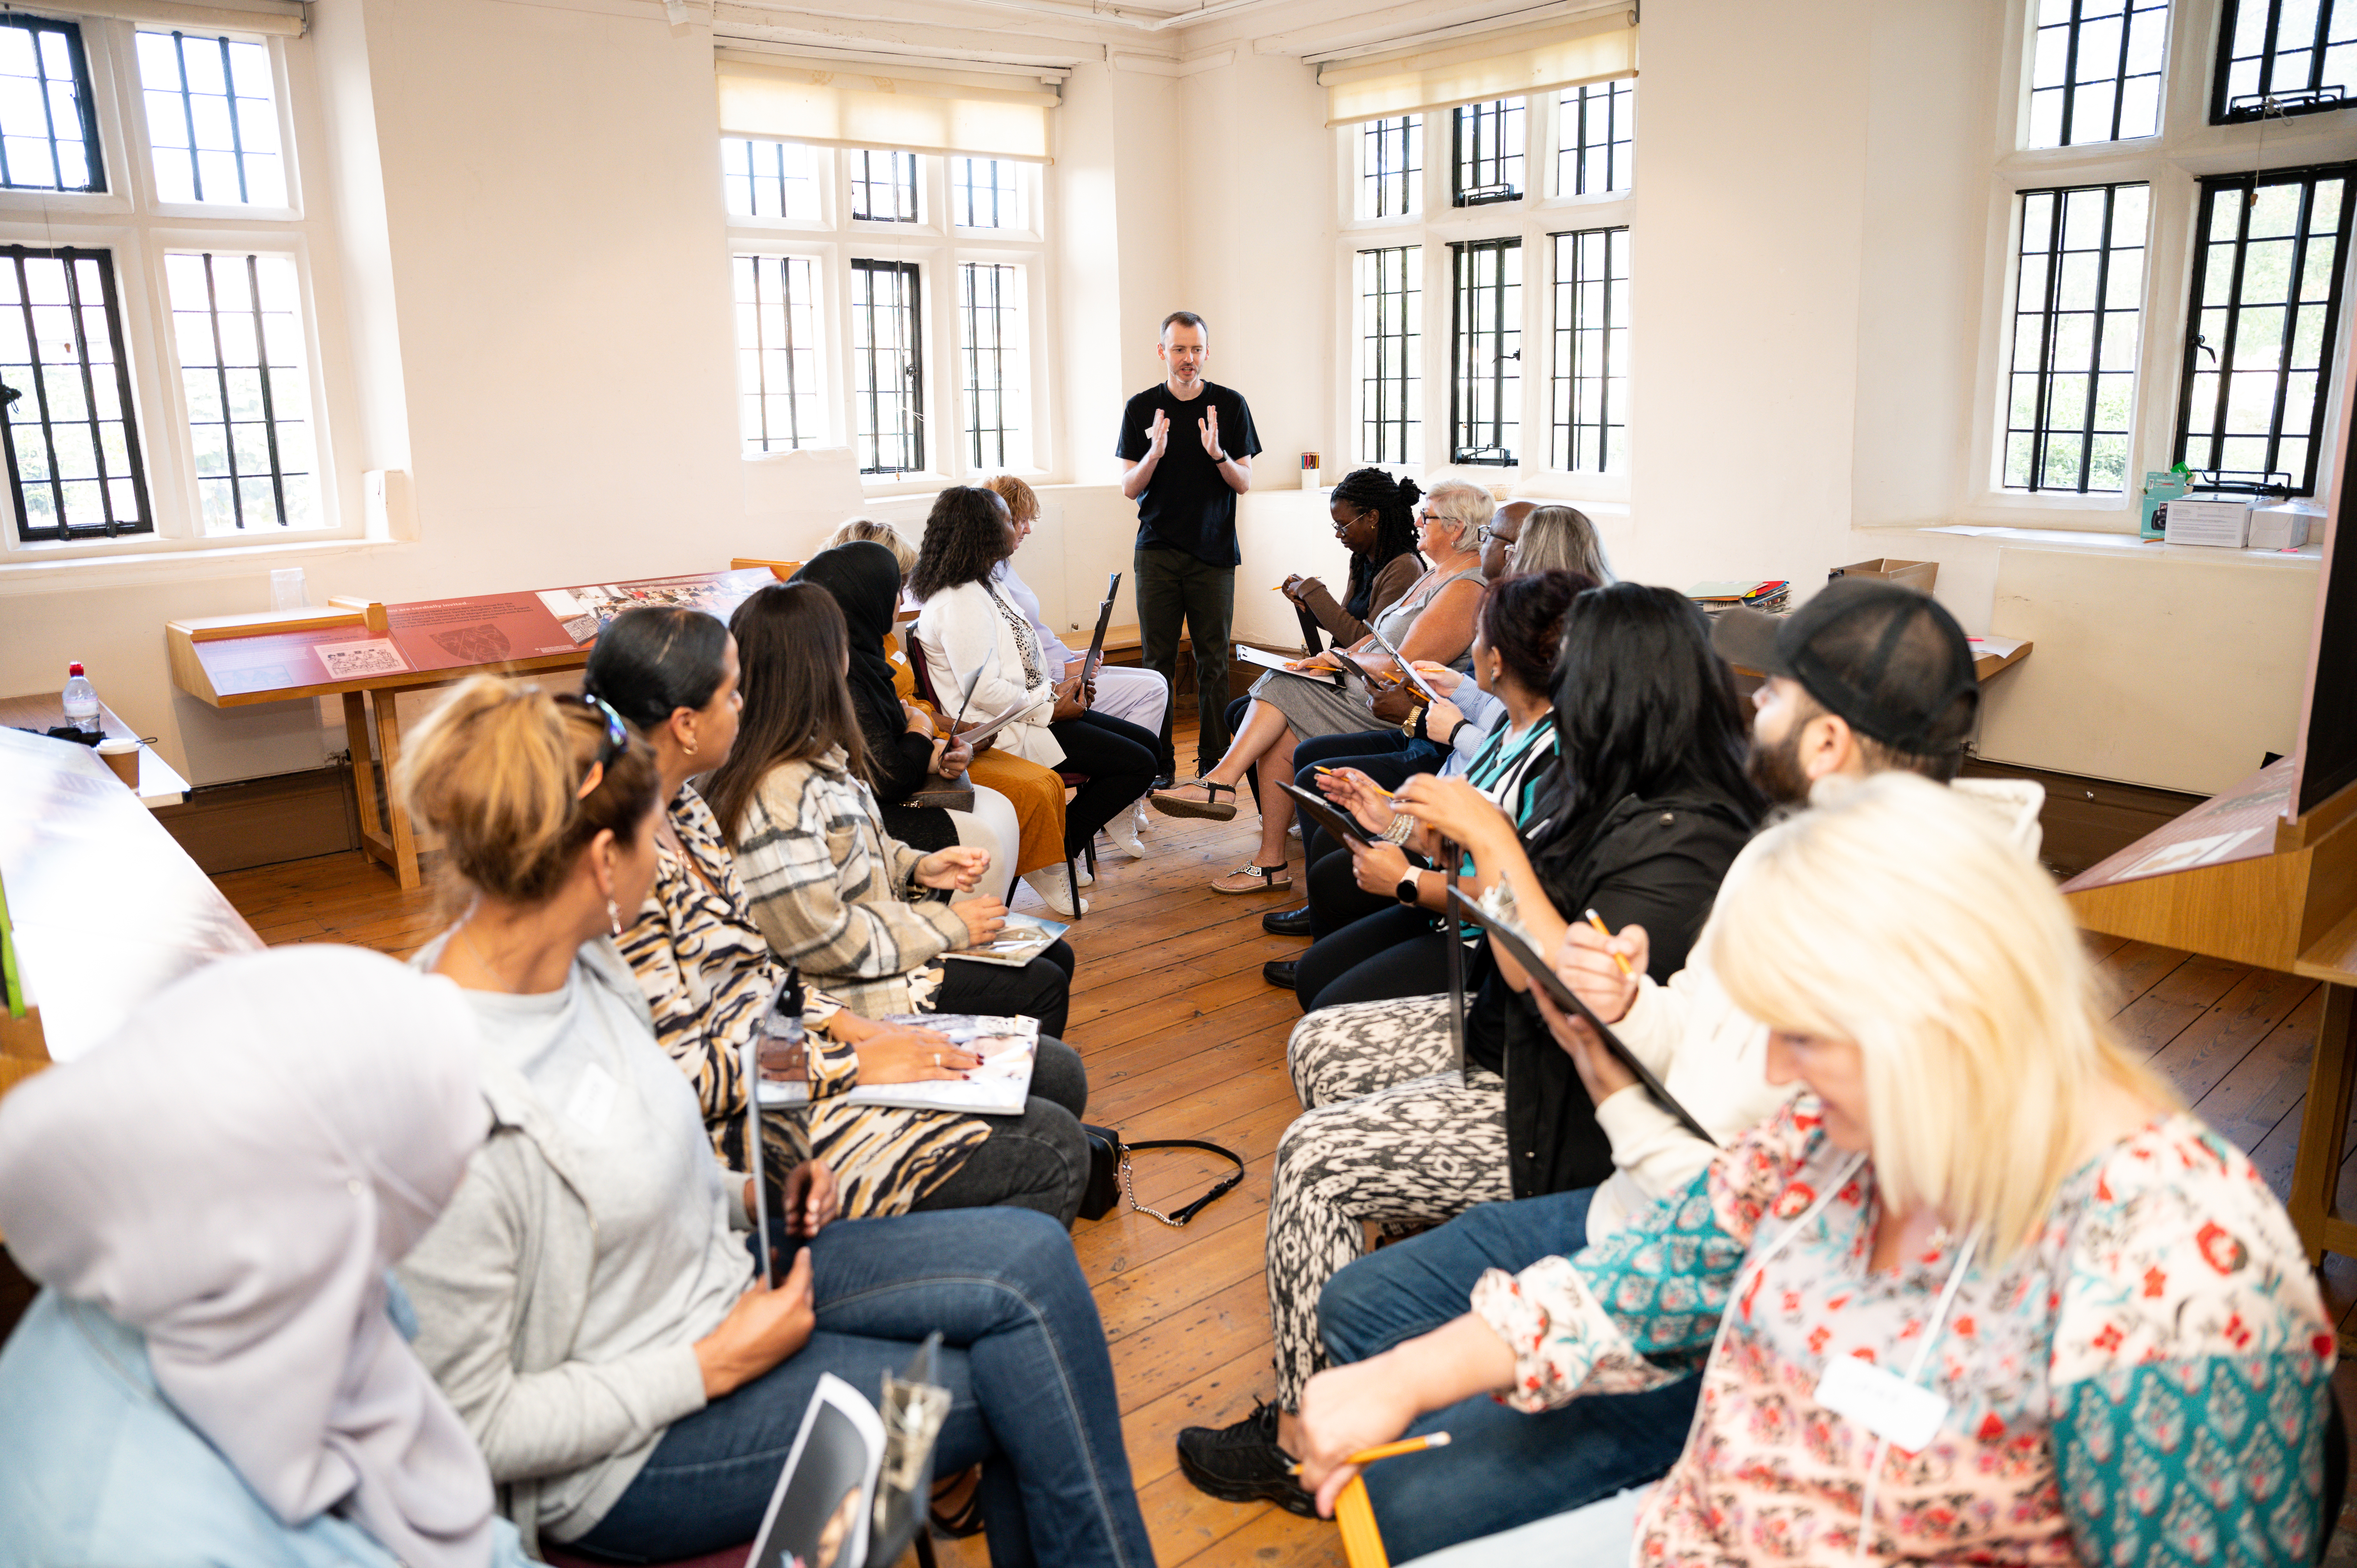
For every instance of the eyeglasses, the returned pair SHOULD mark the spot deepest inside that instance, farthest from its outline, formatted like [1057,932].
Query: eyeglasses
[617,742]
[1487,531]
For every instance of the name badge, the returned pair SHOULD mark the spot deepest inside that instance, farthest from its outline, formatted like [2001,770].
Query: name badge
[592,1099]
[1884,1403]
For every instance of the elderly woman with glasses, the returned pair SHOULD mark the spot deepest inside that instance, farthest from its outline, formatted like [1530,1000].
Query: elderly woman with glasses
[1333,693]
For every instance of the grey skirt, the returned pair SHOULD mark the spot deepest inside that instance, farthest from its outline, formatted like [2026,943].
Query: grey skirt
[1314,707]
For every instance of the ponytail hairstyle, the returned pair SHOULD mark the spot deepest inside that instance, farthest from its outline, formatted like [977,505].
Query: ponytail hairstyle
[1393,505]
[791,646]
[517,782]
[1522,623]
[653,661]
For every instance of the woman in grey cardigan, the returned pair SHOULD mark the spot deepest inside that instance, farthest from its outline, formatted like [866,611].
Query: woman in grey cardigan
[587,1300]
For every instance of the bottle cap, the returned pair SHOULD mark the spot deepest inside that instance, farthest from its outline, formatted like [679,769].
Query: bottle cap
[72,670]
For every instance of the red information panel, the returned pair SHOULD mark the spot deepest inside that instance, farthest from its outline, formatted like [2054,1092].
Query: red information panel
[482,630]
[2236,825]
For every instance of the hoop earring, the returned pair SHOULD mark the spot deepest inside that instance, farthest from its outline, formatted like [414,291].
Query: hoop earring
[689,749]
[614,917]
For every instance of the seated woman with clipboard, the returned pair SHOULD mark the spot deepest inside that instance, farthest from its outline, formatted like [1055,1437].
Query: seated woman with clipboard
[1394,949]
[1332,693]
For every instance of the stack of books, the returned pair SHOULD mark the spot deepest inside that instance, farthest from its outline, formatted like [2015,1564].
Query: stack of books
[1772,597]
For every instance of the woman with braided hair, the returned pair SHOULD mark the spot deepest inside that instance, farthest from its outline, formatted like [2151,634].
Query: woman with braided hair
[1374,518]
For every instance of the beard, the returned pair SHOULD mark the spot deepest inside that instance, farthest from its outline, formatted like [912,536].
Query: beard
[1776,770]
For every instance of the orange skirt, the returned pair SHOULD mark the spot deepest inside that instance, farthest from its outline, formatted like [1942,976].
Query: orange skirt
[1037,792]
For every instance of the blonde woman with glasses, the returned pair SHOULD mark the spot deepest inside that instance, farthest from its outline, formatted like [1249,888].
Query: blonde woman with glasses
[1982,1292]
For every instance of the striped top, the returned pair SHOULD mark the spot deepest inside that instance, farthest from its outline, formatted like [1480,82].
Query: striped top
[824,884]
[707,972]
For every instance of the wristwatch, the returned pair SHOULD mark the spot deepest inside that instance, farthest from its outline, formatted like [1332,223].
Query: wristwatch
[1408,887]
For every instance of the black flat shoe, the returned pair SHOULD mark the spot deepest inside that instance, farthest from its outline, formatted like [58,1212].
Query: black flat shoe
[1279,972]
[1286,922]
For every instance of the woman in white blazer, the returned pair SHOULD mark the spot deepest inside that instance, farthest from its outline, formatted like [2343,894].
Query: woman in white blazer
[982,656]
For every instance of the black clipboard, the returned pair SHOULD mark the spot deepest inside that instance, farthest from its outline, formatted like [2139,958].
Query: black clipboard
[1321,810]
[1095,655]
[1516,946]
[1414,679]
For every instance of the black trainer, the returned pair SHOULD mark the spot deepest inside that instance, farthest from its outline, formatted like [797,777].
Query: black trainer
[1286,922]
[1242,1464]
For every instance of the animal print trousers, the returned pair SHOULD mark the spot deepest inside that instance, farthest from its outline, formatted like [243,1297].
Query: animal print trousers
[1391,1136]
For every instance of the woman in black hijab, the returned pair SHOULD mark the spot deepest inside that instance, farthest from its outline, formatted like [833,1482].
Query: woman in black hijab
[902,749]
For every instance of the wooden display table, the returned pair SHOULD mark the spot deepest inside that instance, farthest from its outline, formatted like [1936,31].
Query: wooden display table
[2234,879]
[159,783]
[106,909]
[365,653]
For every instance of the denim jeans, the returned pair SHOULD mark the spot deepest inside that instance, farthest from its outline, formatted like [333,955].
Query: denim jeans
[1023,1359]
[1502,1468]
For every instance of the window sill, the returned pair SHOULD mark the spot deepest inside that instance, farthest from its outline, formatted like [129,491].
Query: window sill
[2093,542]
[173,562]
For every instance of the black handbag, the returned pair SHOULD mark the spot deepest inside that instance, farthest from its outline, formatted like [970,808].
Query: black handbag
[1110,1181]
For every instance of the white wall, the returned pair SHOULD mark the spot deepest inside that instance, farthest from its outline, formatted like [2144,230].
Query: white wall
[537,326]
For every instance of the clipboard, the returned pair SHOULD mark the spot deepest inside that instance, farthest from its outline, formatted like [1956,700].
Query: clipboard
[1413,678]
[1320,809]
[765,1264]
[1095,655]
[1283,664]
[1516,946]
[996,722]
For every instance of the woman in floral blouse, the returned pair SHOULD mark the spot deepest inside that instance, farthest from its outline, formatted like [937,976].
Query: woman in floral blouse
[708,973]
[1983,1287]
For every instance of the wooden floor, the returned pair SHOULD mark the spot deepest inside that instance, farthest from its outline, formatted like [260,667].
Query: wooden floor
[1183,1039]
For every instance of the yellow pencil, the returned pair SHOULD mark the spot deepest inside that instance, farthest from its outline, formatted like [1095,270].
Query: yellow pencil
[1366,1456]
[1602,929]
[1371,783]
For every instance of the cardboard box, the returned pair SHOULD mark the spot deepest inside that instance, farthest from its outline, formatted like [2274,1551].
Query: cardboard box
[2283,527]
[1916,575]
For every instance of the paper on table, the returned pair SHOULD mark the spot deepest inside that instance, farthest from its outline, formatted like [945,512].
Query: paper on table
[2002,646]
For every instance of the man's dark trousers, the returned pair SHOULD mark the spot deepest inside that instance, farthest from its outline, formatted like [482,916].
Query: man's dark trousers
[1175,588]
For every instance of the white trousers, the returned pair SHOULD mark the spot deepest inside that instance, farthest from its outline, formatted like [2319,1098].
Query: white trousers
[1138,695]
[991,825]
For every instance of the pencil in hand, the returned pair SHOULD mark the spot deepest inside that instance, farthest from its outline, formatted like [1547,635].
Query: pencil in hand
[1606,931]
[1366,1456]
[1371,783]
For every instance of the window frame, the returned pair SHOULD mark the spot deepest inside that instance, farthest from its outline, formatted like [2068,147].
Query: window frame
[2221,110]
[86,75]
[1461,253]
[140,229]
[1541,211]
[1563,354]
[2170,164]
[939,246]
[1408,423]
[2320,437]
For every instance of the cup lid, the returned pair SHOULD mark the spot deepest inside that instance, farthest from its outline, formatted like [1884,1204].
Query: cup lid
[116,745]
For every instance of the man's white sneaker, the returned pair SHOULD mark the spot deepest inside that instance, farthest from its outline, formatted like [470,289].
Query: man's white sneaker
[1055,890]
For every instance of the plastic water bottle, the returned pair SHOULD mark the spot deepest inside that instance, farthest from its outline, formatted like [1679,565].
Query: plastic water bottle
[81,701]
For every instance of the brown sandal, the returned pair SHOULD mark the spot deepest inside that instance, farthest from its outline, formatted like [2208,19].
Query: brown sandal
[1170,803]
[1250,878]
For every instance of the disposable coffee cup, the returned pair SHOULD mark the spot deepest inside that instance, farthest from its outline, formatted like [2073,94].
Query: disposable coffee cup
[121,753]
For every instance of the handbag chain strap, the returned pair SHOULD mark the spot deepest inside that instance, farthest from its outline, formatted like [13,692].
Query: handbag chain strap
[1179,1220]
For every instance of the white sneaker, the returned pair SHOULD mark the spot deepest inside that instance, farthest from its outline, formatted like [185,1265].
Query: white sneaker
[1055,890]
[1295,830]
[1122,830]
[1081,871]
[1138,814]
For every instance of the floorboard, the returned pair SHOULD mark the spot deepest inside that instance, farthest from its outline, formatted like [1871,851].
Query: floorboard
[1183,1039]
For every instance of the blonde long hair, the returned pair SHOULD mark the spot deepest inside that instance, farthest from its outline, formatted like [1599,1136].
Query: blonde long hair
[1900,917]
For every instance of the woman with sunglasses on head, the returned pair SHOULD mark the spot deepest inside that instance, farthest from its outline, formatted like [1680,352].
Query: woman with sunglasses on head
[986,657]
[1984,1291]
[831,889]
[587,1300]
[1433,620]
[708,976]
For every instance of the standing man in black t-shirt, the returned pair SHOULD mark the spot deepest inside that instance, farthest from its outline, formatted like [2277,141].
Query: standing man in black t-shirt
[1190,445]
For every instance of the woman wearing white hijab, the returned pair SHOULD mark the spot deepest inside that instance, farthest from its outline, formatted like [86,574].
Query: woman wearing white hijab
[212,1372]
